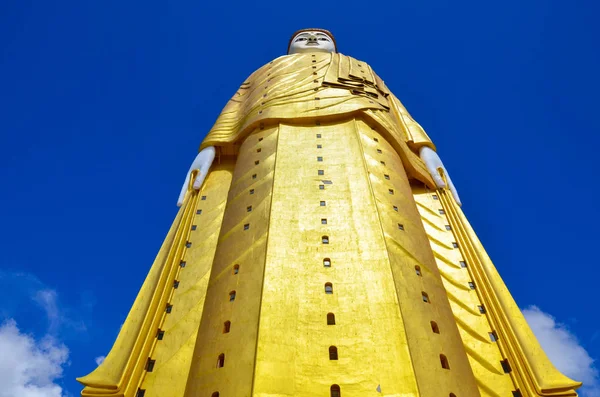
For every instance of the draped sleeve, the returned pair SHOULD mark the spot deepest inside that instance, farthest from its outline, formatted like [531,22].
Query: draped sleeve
[416,137]
[307,87]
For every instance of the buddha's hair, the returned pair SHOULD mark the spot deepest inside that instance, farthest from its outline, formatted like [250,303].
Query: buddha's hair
[327,32]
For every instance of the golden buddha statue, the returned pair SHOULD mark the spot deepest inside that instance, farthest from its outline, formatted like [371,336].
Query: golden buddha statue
[320,250]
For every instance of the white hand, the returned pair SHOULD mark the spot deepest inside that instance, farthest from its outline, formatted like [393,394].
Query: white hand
[201,163]
[434,163]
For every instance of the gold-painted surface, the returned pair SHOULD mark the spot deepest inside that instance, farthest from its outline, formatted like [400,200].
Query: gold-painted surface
[484,355]
[124,367]
[380,315]
[301,87]
[532,372]
[245,246]
[386,245]
[173,353]
[294,339]
[407,247]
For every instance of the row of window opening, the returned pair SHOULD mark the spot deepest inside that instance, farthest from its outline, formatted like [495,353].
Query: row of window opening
[334,391]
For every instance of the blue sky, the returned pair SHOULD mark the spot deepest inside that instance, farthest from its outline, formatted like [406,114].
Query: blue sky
[104,104]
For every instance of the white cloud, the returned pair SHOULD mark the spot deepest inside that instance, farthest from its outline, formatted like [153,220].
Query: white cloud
[29,367]
[564,350]
[99,360]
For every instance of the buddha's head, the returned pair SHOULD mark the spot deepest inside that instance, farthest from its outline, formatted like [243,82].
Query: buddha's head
[311,40]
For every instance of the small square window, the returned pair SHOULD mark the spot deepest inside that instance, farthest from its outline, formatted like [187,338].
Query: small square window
[379,151]
[256,162]
[455,245]
[203,197]
[251,191]
[249,208]
[198,212]
[425,297]
[391,191]
[506,367]
[395,208]
[194,227]
[322,203]
[319,146]
[323,221]
[481,309]
[517,393]
[463,264]
[327,182]
[376,140]
[258,150]
[386,176]
[160,334]
[400,226]
[260,139]
[176,284]
[253,176]
[150,365]
[321,187]
[140,393]
[169,308]
[182,263]
[188,244]
[246,226]
[441,211]
[326,262]
[318,135]
[382,162]
[435,197]
[493,336]
[321,172]
[325,240]
[319,158]
[471,285]
[448,227]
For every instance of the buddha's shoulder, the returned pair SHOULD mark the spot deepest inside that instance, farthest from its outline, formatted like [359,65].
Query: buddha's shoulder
[286,63]
[312,57]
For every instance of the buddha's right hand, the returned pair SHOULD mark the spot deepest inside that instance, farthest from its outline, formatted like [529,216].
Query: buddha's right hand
[202,164]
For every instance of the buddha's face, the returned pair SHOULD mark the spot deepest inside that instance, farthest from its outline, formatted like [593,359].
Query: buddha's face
[312,41]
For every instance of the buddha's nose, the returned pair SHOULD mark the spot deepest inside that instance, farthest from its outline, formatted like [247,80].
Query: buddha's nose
[312,39]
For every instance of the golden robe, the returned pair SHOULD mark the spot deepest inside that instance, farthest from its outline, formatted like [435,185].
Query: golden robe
[318,207]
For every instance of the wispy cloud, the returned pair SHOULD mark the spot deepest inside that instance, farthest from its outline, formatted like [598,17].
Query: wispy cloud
[26,288]
[99,360]
[30,367]
[564,350]
[47,298]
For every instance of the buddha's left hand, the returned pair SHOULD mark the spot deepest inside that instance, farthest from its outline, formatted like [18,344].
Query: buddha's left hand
[434,164]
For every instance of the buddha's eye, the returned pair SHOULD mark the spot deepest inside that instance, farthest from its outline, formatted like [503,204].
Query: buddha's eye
[324,39]
[300,39]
